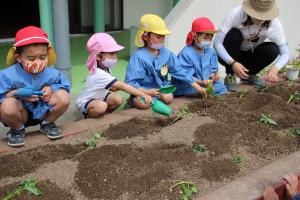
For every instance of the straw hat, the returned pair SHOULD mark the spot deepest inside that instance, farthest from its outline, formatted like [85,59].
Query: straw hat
[261,9]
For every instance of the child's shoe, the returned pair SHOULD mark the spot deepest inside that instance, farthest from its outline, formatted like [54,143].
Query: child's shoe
[16,137]
[51,130]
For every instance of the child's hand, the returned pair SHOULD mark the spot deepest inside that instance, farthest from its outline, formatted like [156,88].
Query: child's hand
[202,91]
[292,185]
[148,99]
[10,93]
[153,92]
[215,77]
[47,93]
[31,99]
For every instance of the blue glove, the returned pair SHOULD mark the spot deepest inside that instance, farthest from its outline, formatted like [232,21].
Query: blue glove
[27,92]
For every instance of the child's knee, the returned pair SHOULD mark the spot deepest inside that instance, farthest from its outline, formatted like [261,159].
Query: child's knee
[117,100]
[9,107]
[60,98]
[166,98]
[99,107]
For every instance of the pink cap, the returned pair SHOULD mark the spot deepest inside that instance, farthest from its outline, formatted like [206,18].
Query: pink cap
[100,42]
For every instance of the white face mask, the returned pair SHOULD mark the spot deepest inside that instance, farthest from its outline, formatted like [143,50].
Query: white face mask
[204,44]
[109,63]
[157,46]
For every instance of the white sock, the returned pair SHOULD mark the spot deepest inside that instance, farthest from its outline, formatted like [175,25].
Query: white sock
[20,127]
[45,122]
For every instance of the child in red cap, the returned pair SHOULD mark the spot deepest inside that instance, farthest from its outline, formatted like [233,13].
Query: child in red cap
[32,93]
[200,59]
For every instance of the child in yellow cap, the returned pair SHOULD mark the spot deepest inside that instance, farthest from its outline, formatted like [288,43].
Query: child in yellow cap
[152,65]
[32,93]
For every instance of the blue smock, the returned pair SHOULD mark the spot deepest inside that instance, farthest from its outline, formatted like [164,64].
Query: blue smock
[199,66]
[147,71]
[15,77]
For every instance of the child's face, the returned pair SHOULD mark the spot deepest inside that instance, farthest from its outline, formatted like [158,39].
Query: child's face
[32,53]
[154,38]
[109,55]
[203,37]
[34,57]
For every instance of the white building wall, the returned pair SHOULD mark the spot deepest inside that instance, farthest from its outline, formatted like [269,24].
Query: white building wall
[179,20]
[134,9]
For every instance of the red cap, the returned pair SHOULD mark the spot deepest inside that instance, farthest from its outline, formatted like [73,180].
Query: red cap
[30,35]
[201,24]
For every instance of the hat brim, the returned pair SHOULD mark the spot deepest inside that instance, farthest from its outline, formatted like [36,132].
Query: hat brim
[162,32]
[260,15]
[139,42]
[10,58]
[114,48]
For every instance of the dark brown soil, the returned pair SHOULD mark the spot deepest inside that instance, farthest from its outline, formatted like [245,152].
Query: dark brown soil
[144,173]
[27,161]
[50,192]
[126,171]
[136,127]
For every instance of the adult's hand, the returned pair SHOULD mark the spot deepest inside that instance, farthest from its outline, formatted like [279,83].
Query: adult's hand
[240,71]
[271,75]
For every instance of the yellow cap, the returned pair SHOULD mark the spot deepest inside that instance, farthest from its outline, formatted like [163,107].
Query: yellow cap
[150,23]
[10,59]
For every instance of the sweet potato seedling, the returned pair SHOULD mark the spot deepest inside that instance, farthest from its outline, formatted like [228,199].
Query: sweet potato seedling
[92,142]
[294,98]
[186,189]
[199,148]
[182,111]
[238,158]
[243,93]
[294,132]
[209,88]
[267,119]
[27,185]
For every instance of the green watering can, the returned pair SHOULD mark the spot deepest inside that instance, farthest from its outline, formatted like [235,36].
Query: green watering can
[160,107]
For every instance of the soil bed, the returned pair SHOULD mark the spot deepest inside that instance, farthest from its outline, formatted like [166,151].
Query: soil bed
[142,157]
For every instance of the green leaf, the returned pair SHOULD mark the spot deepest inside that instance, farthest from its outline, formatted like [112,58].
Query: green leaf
[238,158]
[194,189]
[267,119]
[294,132]
[199,148]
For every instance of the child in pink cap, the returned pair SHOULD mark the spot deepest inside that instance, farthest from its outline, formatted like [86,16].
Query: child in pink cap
[95,98]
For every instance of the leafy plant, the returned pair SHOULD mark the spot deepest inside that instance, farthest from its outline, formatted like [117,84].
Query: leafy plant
[238,158]
[262,89]
[294,97]
[187,189]
[182,111]
[92,142]
[209,88]
[267,119]
[199,148]
[27,185]
[294,132]
[244,93]
[291,83]
[295,61]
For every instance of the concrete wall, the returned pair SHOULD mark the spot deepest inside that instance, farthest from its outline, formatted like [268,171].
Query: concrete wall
[134,9]
[179,20]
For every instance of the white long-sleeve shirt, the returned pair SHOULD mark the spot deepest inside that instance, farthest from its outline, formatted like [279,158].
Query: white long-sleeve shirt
[253,35]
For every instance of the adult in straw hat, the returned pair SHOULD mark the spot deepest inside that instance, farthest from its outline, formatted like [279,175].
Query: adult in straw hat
[241,43]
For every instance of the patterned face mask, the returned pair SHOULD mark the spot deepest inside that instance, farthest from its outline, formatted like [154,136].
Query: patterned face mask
[36,66]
